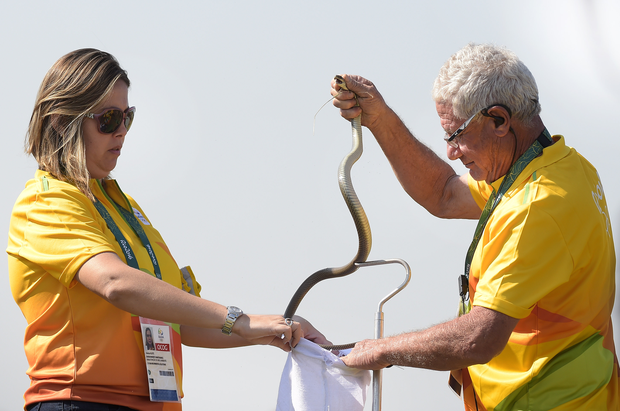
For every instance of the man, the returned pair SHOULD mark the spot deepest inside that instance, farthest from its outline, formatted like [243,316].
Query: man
[538,284]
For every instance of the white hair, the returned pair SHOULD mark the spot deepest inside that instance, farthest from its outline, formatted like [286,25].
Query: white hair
[478,76]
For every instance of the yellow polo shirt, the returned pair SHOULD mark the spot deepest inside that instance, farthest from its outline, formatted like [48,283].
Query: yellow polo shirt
[547,257]
[78,345]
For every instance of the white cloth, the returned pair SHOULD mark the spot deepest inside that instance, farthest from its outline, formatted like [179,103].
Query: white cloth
[314,379]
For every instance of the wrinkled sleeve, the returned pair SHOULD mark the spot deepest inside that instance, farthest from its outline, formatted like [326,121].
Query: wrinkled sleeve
[60,232]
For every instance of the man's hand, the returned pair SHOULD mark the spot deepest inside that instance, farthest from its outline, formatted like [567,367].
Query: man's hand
[371,103]
[366,355]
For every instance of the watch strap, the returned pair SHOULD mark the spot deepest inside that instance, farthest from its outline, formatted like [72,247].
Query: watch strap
[231,318]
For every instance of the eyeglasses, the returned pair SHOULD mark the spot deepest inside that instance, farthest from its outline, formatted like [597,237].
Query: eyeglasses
[111,119]
[450,138]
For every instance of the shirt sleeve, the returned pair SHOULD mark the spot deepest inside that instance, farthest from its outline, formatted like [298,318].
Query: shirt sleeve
[61,232]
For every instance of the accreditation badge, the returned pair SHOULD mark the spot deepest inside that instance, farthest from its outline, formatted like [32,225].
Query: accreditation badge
[164,383]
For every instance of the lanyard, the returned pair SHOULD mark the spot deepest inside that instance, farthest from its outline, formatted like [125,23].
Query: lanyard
[120,238]
[160,362]
[543,140]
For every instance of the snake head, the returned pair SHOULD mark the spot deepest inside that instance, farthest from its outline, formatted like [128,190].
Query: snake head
[341,83]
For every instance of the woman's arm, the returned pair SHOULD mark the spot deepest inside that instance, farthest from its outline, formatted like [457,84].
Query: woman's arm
[211,338]
[137,292]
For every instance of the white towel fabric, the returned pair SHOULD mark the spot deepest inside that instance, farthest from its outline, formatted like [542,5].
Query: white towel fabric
[314,379]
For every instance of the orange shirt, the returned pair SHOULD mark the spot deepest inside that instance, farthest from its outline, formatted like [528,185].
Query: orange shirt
[78,345]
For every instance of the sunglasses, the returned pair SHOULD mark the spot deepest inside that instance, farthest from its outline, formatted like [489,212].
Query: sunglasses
[111,119]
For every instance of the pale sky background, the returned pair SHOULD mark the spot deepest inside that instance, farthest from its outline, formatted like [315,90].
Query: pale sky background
[223,159]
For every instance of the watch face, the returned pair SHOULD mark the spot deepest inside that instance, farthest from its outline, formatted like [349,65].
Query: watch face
[236,311]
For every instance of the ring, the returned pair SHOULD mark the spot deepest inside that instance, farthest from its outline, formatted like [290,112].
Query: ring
[288,322]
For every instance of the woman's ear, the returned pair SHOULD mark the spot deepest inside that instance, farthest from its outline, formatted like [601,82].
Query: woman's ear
[59,123]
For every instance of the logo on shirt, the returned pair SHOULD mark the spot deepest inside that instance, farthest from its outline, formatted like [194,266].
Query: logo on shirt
[599,200]
[140,217]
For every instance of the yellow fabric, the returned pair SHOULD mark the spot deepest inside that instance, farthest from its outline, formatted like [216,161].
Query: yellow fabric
[78,345]
[547,257]
[190,284]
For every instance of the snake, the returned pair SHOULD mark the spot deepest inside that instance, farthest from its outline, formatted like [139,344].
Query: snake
[359,217]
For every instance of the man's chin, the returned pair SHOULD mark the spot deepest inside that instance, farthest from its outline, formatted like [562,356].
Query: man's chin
[476,175]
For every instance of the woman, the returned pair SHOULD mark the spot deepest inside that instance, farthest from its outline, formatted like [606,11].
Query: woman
[148,337]
[89,271]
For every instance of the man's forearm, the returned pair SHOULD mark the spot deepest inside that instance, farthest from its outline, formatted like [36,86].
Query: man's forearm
[474,338]
[440,348]
[422,174]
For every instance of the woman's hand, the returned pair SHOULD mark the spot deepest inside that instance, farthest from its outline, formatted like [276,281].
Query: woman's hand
[311,333]
[269,330]
[307,331]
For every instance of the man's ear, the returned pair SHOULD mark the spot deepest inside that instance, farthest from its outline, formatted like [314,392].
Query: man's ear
[501,118]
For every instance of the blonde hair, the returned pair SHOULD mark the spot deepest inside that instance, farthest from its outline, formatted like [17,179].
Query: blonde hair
[72,87]
[478,76]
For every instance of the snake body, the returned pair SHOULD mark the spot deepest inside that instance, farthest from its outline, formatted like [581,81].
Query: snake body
[359,217]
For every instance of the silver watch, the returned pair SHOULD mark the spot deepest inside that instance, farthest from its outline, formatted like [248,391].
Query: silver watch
[233,314]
